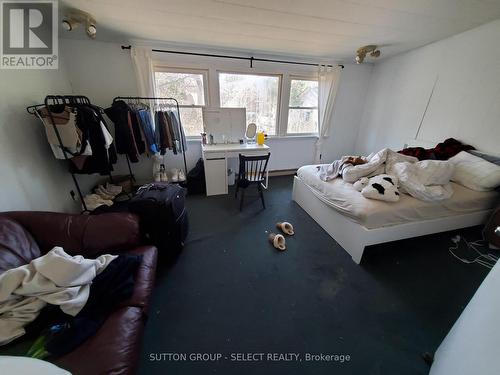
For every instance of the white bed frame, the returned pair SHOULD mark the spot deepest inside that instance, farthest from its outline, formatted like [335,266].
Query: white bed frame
[354,237]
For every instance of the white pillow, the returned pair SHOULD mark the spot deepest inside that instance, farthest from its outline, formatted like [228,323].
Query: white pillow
[382,187]
[474,172]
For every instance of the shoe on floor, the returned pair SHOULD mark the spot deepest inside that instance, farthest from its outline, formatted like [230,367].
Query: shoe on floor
[158,176]
[175,175]
[181,175]
[286,228]
[163,176]
[278,241]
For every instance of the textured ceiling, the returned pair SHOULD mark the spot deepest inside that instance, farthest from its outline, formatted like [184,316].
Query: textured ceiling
[313,28]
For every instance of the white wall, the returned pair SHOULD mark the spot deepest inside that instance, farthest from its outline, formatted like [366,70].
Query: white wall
[103,70]
[31,178]
[466,99]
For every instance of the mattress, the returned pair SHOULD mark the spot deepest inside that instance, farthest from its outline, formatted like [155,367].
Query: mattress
[371,213]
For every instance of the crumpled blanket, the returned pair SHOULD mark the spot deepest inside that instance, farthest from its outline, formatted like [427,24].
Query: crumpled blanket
[426,180]
[442,151]
[375,164]
[333,170]
[55,278]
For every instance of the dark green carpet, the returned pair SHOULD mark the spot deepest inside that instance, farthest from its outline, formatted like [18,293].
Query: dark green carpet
[231,292]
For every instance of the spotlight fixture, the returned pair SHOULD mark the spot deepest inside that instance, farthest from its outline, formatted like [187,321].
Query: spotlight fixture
[363,51]
[76,18]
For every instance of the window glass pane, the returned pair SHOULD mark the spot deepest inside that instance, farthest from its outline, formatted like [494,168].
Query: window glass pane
[187,88]
[192,121]
[302,121]
[257,93]
[303,93]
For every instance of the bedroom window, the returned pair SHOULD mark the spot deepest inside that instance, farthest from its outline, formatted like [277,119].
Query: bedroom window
[259,94]
[189,88]
[303,107]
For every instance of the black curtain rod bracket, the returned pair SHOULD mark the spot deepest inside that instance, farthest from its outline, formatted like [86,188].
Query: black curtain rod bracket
[251,59]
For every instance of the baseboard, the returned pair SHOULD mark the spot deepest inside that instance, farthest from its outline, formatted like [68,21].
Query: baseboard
[282,172]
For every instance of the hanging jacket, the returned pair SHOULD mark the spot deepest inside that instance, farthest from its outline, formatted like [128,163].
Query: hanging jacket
[164,139]
[180,138]
[120,114]
[90,121]
[148,130]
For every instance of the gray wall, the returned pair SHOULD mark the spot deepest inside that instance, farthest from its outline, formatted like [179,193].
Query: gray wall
[30,176]
[466,72]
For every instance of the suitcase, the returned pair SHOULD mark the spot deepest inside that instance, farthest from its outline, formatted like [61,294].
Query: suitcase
[163,215]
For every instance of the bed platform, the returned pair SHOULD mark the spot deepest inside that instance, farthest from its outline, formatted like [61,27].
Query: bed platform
[354,236]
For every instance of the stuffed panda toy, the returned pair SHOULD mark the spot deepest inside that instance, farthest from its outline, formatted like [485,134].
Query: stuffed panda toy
[383,187]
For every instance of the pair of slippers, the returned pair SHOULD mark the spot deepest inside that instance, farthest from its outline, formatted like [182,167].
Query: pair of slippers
[278,240]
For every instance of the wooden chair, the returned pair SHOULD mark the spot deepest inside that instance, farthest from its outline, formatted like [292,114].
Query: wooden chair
[252,171]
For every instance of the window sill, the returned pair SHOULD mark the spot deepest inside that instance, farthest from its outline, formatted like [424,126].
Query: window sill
[295,136]
[270,137]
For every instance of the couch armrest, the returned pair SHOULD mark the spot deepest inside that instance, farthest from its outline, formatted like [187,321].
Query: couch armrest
[80,234]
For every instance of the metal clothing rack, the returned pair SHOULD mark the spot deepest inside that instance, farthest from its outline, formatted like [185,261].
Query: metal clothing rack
[175,103]
[53,100]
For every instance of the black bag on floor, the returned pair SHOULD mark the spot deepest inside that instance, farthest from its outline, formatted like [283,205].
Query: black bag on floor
[196,179]
[163,215]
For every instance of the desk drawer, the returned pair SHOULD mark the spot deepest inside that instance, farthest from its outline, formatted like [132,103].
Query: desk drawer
[236,154]
[214,155]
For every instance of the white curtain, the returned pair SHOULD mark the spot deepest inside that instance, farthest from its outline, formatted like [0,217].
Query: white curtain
[328,79]
[143,67]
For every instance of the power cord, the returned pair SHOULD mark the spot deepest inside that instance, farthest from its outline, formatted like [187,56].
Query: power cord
[487,260]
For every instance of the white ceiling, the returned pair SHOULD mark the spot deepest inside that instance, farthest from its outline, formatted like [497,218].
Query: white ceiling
[331,29]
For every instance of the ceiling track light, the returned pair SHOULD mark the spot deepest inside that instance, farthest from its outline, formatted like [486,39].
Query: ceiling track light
[76,18]
[370,49]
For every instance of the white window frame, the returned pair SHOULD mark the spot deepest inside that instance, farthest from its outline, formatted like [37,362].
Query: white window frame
[203,72]
[280,89]
[285,124]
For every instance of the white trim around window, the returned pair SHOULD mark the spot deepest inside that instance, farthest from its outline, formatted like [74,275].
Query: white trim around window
[206,96]
[210,69]
[289,107]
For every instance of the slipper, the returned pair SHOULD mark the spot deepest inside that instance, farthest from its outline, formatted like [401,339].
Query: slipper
[286,228]
[278,241]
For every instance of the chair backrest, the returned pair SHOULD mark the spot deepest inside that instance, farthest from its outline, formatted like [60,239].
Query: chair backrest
[253,168]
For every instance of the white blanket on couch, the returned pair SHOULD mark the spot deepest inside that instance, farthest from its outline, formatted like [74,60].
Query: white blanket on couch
[55,278]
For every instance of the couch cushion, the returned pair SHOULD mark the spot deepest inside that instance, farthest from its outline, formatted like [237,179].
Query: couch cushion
[17,246]
[114,349]
[145,277]
[80,234]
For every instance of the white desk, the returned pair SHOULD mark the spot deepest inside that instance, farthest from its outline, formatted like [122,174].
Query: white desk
[215,161]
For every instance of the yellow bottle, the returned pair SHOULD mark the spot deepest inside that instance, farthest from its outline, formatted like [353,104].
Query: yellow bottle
[260,138]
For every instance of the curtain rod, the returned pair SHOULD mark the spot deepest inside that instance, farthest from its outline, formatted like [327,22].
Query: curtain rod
[251,59]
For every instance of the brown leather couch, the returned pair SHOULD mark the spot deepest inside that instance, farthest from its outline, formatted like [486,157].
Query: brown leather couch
[115,348]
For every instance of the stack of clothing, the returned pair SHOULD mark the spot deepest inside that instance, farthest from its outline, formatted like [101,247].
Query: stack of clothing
[84,134]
